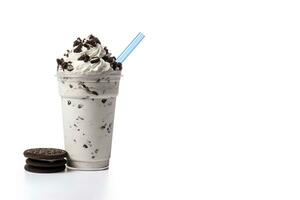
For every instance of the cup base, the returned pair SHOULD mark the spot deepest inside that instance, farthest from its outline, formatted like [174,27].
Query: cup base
[86,169]
[88,166]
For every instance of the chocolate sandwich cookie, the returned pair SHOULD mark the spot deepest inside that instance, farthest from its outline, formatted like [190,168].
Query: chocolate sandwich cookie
[43,169]
[45,163]
[45,153]
[45,160]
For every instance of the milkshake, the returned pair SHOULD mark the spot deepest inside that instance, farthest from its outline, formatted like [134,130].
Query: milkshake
[88,78]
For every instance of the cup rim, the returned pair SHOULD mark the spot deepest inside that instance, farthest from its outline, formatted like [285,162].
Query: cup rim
[113,74]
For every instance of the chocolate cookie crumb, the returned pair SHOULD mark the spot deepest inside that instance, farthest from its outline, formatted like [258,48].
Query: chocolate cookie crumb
[92,43]
[103,100]
[109,128]
[64,65]
[69,102]
[87,89]
[86,46]
[103,127]
[95,60]
[78,49]
[85,146]
[84,57]
[59,61]
[94,92]
[80,106]
[119,66]
[93,38]
[80,118]
[105,58]
[106,50]
[77,42]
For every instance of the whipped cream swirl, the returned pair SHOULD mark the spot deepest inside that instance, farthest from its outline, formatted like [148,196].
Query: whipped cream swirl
[88,56]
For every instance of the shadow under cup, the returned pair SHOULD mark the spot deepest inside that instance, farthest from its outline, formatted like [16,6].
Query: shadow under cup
[88,105]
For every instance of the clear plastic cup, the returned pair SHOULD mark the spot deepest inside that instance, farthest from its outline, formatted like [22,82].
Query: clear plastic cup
[88,105]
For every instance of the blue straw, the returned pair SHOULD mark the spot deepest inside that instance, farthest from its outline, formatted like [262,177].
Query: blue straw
[133,44]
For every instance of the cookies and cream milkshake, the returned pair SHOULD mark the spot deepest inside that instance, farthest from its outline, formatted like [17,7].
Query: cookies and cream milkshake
[88,78]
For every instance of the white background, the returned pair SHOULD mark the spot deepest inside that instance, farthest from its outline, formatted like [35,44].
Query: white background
[208,106]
